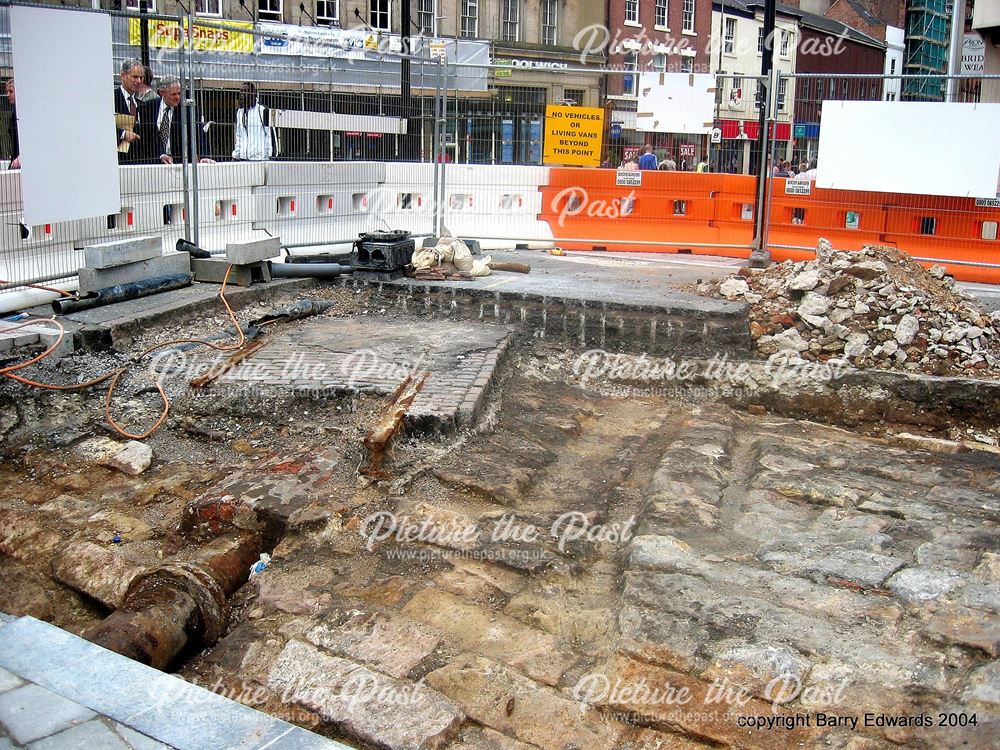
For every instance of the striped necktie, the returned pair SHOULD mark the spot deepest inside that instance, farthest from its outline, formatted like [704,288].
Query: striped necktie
[165,127]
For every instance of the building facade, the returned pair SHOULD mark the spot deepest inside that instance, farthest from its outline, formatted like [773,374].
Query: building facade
[651,36]
[738,33]
[831,52]
[505,60]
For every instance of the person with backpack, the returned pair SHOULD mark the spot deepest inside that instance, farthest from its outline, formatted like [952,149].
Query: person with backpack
[253,136]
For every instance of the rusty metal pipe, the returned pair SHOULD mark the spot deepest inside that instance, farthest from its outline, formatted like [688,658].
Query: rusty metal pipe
[179,603]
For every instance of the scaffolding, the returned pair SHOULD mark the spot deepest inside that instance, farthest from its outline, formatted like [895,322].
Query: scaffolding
[927,39]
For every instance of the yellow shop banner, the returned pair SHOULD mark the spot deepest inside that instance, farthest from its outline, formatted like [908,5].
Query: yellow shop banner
[166,34]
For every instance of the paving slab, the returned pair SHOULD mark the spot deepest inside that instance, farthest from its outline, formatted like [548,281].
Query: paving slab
[31,712]
[71,681]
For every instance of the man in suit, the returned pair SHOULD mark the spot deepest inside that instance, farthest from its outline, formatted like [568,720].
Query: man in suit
[166,120]
[15,149]
[127,102]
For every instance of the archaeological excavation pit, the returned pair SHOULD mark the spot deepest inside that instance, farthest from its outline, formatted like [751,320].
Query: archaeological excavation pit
[558,549]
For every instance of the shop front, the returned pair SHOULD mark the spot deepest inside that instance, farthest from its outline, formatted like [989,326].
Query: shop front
[739,152]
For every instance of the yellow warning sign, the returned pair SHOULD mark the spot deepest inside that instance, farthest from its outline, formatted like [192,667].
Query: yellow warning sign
[573,135]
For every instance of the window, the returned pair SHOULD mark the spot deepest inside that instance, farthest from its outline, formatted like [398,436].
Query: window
[806,85]
[426,23]
[269,10]
[327,11]
[631,64]
[134,5]
[470,19]
[785,38]
[928,225]
[631,11]
[550,21]
[782,88]
[892,66]
[798,216]
[659,63]
[736,92]
[680,208]
[576,96]
[511,20]
[687,65]
[208,7]
[687,14]
[989,230]
[661,13]
[378,14]
[760,40]
[730,37]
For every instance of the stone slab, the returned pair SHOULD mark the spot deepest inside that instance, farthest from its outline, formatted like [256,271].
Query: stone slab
[9,680]
[245,253]
[162,706]
[92,279]
[94,733]
[32,712]
[477,629]
[122,252]
[213,271]
[510,703]
[363,702]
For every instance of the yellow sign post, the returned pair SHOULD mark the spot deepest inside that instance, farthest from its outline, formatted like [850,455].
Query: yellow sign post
[573,135]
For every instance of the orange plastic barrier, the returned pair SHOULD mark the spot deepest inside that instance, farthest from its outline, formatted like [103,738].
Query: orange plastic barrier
[713,214]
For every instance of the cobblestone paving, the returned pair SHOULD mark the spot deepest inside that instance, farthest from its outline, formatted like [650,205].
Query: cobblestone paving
[742,582]
[328,357]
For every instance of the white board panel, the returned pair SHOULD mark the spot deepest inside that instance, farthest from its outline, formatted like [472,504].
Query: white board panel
[675,103]
[66,129]
[925,148]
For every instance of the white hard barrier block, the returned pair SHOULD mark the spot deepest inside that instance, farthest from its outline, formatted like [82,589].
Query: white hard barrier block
[232,174]
[151,179]
[245,253]
[121,252]
[92,279]
[402,175]
[51,261]
[227,205]
[324,173]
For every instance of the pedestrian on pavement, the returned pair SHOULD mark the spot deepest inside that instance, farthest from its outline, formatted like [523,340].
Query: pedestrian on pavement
[648,159]
[253,135]
[146,92]
[167,116]
[127,102]
[15,148]
[668,164]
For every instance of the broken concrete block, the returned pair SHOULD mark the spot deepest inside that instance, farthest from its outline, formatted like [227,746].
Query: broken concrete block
[98,572]
[133,458]
[245,253]
[122,252]
[92,279]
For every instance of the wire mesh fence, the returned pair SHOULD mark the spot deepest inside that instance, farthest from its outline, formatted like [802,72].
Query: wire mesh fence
[230,143]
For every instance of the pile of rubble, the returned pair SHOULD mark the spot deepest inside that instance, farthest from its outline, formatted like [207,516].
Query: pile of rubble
[874,308]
